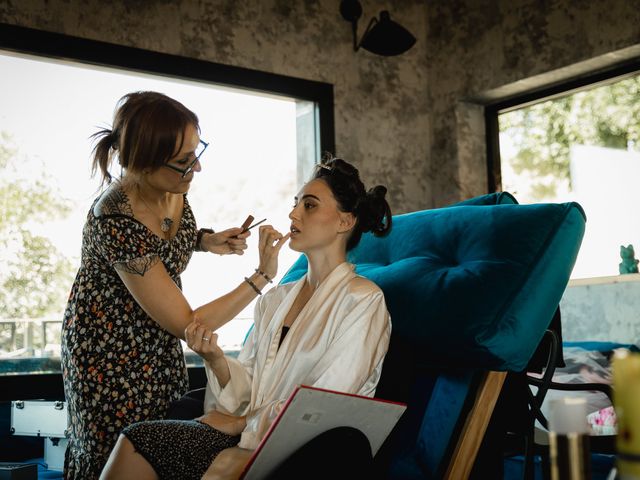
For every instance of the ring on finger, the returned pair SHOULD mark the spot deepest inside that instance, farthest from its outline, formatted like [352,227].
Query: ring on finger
[206,339]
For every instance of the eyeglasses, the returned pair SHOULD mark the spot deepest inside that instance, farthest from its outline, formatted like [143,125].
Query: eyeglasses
[202,146]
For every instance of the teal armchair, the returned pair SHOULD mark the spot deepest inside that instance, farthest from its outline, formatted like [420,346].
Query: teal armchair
[471,289]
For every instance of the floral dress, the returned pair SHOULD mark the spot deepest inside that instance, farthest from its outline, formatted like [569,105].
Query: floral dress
[119,366]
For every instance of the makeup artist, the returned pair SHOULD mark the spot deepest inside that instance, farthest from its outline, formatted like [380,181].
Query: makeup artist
[122,360]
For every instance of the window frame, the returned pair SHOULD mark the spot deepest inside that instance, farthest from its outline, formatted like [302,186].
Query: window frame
[492,110]
[102,54]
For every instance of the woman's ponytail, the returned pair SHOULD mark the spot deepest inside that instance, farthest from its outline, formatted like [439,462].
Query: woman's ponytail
[106,140]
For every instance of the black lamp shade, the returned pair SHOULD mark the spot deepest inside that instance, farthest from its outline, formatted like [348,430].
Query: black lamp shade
[386,37]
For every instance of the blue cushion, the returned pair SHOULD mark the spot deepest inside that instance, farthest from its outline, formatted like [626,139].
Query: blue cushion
[472,285]
[416,446]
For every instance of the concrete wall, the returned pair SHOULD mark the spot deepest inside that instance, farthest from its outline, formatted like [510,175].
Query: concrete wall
[602,309]
[413,122]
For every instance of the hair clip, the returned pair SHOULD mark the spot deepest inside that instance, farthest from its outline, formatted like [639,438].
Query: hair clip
[326,167]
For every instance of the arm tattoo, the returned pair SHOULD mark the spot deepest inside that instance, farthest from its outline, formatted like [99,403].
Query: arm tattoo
[138,266]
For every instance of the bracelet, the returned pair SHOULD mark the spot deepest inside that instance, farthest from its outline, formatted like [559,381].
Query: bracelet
[253,285]
[260,272]
[201,232]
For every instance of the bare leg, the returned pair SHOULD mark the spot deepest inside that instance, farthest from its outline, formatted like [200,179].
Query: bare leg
[229,464]
[126,464]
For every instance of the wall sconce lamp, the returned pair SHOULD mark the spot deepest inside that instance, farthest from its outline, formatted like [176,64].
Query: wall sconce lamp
[382,37]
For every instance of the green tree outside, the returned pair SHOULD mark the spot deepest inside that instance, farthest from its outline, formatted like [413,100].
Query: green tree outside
[35,277]
[542,134]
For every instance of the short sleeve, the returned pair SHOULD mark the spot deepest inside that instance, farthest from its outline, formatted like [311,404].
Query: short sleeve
[124,241]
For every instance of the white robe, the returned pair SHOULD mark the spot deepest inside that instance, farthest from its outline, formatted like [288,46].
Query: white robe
[337,342]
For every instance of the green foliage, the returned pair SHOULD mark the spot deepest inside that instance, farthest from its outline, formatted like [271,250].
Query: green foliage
[35,277]
[606,116]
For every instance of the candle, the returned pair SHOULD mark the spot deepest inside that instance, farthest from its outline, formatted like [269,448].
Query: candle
[626,400]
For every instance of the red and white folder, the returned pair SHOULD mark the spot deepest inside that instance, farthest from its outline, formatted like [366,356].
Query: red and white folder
[310,411]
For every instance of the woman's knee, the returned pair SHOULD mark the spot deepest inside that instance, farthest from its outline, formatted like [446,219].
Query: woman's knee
[121,456]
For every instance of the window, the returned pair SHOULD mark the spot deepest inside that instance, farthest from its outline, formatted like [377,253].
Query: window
[579,144]
[264,133]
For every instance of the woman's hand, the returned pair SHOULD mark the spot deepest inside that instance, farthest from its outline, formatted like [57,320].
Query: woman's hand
[229,424]
[203,341]
[226,242]
[269,245]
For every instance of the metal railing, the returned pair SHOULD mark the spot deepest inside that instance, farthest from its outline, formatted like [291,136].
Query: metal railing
[29,337]
[32,345]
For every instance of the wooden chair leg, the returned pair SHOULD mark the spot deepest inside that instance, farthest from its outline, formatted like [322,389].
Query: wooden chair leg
[475,425]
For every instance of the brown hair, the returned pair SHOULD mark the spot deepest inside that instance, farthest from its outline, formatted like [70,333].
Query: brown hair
[146,127]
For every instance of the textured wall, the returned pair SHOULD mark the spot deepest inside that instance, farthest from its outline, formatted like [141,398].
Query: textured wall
[490,49]
[381,110]
[413,122]
[606,310]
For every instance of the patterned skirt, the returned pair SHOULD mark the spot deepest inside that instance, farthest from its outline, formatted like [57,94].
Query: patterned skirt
[181,449]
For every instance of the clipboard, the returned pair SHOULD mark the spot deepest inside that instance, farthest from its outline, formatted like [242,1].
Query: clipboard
[310,411]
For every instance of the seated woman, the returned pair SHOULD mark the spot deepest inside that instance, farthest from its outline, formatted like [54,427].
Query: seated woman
[330,329]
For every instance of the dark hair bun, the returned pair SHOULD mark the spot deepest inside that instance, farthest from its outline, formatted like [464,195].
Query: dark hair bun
[375,214]
[370,208]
